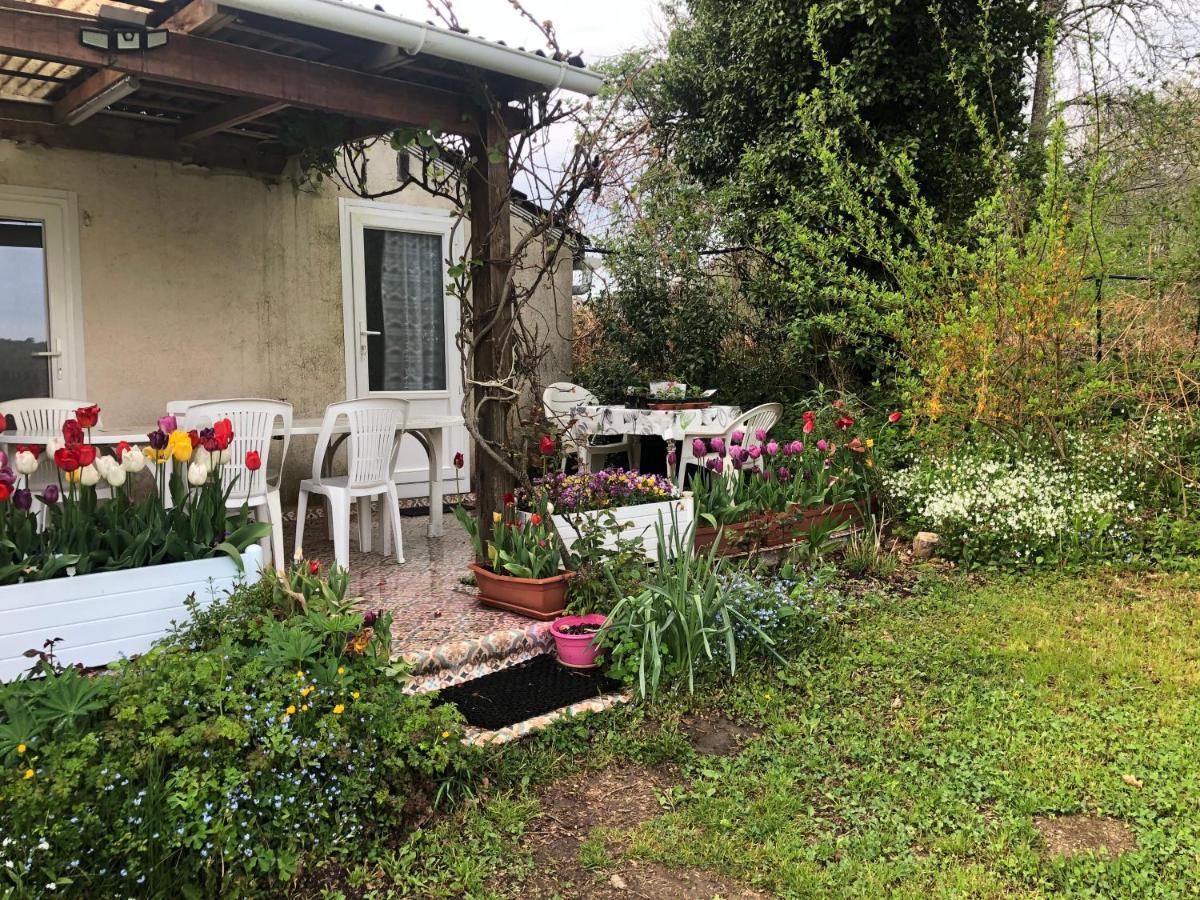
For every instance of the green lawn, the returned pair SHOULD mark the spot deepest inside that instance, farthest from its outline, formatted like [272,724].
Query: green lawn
[906,756]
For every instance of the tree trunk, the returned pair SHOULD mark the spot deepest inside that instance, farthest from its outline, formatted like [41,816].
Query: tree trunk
[491,310]
[1039,113]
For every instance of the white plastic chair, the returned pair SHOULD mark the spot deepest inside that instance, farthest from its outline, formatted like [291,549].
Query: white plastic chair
[558,400]
[253,423]
[376,425]
[764,417]
[179,409]
[38,418]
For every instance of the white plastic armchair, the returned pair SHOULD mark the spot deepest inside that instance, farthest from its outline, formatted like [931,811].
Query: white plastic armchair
[179,409]
[762,418]
[558,400]
[253,422]
[37,419]
[376,426]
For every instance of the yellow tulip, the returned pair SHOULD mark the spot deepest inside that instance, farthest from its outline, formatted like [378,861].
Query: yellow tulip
[496,517]
[180,446]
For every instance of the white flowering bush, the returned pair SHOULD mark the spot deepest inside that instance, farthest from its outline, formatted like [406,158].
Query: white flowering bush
[1024,510]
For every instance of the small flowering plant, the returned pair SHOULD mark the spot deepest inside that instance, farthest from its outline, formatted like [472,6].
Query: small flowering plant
[186,518]
[587,491]
[523,547]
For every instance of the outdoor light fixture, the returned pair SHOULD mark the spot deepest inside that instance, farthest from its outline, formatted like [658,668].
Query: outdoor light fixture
[126,30]
[115,92]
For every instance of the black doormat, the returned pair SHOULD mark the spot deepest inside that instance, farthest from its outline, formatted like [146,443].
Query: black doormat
[524,691]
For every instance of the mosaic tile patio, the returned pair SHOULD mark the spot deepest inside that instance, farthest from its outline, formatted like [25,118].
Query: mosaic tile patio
[439,625]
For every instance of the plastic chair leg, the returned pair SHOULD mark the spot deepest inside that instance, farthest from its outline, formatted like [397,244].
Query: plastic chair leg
[339,507]
[364,524]
[301,510]
[392,500]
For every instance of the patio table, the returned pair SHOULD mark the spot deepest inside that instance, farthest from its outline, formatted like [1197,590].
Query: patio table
[428,431]
[671,425]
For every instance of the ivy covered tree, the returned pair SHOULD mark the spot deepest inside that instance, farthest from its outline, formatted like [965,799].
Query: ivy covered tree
[736,69]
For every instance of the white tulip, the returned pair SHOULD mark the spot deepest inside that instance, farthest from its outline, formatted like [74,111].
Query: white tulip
[104,464]
[115,475]
[133,460]
[89,475]
[197,474]
[53,446]
[25,462]
[206,459]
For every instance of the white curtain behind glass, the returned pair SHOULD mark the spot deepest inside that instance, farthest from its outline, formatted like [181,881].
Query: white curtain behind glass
[406,303]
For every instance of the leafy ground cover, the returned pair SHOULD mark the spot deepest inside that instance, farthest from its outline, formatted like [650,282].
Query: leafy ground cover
[962,739]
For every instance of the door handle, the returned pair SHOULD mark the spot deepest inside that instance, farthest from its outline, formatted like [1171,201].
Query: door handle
[47,354]
[366,333]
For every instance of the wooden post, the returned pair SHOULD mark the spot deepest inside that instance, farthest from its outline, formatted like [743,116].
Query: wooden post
[491,245]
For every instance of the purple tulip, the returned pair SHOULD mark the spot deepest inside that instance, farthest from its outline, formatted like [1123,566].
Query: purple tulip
[699,448]
[766,474]
[737,455]
[158,439]
[22,498]
[7,477]
[369,618]
[50,494]
[760,434]
[168,424]
[737,437]
[716,464]
[718,446]
[822,445]
[784,473]
[772,448]
[755,452]
[672,459]
[796,447]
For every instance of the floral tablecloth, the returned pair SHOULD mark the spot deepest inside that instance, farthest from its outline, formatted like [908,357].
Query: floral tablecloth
[669,424]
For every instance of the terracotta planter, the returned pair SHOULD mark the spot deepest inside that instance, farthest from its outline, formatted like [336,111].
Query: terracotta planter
[733,538]
[774,529]
[539,598]
[576,651]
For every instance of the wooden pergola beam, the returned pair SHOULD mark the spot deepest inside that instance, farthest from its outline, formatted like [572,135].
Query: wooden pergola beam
[224,117]
[200,17]
[34,123]
[198,62]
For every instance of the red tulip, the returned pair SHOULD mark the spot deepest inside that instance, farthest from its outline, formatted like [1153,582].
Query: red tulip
[86,454]
[194,437]
[509,499]
[547,445]
[895,417]
[5,491]
[67,460]
[459,461]
[253,460]
[844,422]
[72,432]
[119,450]
[314,567]
[223,433]
[88,416]
[535,519]
[35,449]
[809,423]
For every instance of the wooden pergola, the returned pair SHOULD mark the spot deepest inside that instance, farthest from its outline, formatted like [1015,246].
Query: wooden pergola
[225,88]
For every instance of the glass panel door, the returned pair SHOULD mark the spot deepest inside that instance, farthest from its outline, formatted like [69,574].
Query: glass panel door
[41,316]
[24,311]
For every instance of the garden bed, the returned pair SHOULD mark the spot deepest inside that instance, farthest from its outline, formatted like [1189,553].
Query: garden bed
[101,617]
[775,529]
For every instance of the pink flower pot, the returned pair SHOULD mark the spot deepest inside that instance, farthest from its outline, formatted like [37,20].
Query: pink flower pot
[576,651]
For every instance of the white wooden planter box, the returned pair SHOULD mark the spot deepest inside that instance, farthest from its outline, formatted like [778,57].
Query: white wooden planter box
[639,521]
[107,615]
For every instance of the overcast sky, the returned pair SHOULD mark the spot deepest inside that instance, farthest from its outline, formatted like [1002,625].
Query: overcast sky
[598,28]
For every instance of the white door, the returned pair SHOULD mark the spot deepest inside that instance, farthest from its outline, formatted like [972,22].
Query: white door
[41,332]
[401,324]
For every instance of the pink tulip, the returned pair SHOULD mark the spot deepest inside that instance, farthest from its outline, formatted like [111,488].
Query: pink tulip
[718,446]
[167,424]
[772,448]
[737,437]
[755,452]
[822,445]
[716,464]
[796,447]
[698,448]
[760,434]
[672,459]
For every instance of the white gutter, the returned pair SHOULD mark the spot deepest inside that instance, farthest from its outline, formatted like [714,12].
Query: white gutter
[419,37]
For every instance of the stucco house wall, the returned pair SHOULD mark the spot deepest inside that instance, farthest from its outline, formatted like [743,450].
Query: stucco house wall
[199,284]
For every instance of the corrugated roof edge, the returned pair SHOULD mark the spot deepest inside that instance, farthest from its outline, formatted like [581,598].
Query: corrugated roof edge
[420,37]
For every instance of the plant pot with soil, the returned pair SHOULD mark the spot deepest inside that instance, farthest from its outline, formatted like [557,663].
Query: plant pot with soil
[523,568]
[575,640]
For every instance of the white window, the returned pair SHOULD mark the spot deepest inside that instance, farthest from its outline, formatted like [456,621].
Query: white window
[41,319]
